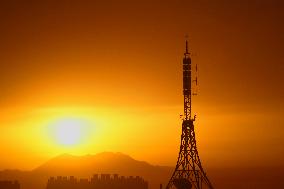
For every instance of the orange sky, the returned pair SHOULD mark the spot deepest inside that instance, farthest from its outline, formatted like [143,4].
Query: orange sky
[117,65]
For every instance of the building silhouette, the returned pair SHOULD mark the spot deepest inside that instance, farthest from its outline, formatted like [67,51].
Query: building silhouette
[7,184]
[103,181]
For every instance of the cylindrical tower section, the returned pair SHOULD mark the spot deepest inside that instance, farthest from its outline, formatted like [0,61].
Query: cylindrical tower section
[187,83]
[186,76]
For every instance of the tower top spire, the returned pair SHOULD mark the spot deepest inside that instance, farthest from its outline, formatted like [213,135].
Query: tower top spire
[186,47]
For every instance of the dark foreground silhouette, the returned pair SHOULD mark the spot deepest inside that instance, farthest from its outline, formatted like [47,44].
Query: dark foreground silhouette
[86,166]
[7,184]
[97,182]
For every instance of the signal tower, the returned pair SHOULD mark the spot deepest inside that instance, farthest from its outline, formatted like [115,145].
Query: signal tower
[188,172]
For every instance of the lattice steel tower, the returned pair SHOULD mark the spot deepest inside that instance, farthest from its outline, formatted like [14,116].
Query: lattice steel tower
[188,172]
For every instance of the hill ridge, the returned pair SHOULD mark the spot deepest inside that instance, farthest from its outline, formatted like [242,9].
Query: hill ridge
[87,165]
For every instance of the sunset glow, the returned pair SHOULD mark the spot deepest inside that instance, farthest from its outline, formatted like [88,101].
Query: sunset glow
[85,77]
[69,131]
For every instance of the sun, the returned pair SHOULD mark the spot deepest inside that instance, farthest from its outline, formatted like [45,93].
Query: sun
[68,132]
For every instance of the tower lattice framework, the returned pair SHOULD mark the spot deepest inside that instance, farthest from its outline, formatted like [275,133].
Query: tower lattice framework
[188,172]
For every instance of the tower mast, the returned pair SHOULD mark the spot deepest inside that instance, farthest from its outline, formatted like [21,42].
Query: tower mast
[188,172]
[187,83]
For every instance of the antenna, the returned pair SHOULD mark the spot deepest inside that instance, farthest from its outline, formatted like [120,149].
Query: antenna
[186,45]
[187,83]
[188,172]
[195,80]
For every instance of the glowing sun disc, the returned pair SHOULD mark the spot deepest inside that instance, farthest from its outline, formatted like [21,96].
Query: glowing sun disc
[68,131]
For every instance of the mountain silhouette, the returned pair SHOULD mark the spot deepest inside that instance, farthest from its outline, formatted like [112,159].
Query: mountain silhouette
[86,166]
[124,165]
